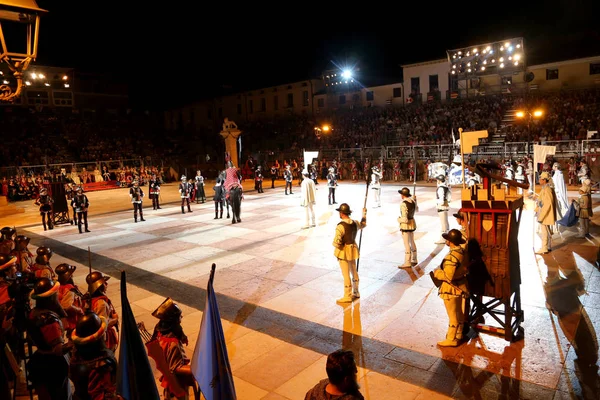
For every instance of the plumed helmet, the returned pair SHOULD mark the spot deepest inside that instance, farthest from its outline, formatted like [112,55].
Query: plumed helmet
[404,192]
[7,260]
[167,311]
[90,328]
[454,237]
[64,272]
[344,208]
[95,280]
[44,287]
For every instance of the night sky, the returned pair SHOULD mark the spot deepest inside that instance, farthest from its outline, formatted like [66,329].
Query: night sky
[190,53]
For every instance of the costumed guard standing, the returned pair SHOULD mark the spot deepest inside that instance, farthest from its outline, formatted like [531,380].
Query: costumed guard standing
[274,174]
[584,171]
[184,189]
[288,176]
[171,338]
[442,195]
[137,196]
[451,279]
[219,198]
[408,226]
[560,189]
[45,202]
[585,208]
[41,268]
[154,190]
[101,305]
[93,366]
[308,199]
[546,209]
[70,195]
[48,367]
[200,195]
[69,297]
[572,170]
[331,184]
[376,185]
[520,176]
[529,171]
[258,179]
[81,204]
[346,251]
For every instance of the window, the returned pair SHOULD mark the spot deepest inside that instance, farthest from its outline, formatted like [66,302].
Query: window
[250,106]
[551,74]
[342,99]
[321,103]
[370,96]
[415,85]
[209,113]
[239,109]
[397,92]
[275,103]
[263,104]
[433,83]
[290,100]
[594,68]
[506,80]
[305,98]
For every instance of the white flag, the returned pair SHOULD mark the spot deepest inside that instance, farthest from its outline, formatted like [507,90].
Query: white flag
[540,153]
[309,156]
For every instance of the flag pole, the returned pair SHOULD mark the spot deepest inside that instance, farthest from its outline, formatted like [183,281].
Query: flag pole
[462,156]
[212,273]
[361,231]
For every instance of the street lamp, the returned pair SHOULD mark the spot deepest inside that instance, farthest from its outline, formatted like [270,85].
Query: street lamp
[320,129]
[15,14]
[530,115]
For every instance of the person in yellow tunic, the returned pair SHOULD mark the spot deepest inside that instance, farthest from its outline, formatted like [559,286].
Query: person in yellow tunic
[585,208]
[451,279]
[546,209]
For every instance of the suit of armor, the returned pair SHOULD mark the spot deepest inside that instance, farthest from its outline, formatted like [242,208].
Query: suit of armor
[184,190]
[376,186]
[81,204]
[137,197]
[45,202]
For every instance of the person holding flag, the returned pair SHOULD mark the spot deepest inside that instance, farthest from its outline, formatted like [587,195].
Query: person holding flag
[546,212]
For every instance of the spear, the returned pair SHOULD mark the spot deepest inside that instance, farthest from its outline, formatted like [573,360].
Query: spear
[415,178]
[361,231]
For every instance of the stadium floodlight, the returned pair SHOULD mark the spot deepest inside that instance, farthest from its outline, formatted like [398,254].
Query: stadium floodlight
[347,74]
[519,114]
[501,57]
[538,113]
[20,13]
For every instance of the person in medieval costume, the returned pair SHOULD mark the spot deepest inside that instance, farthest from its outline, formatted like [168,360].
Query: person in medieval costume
[572,168]
[101,305]
[93,368]
[69,297]
[442,196]
[258,179]
[308,199]
[408,226]
[70,193]
[397,170]
[81,204]
[41,268]
[170,336]
[154,190]
[332,185]
[520,176]
[546,212]
[219,198]
[274,171]
[48,367]
[234,191]
[21,252]
[346,251]
[45,202]
[136,194]
[200,194]
[560,189]
[366,168]
[287,175]
[105,173]
[453,287]
[528,162]
[584,171]
[7,241]
[185,189]
[509,172]
[354,170]
[376,185]
[585,208]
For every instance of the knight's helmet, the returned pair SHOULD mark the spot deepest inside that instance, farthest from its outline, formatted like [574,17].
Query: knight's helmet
[183,178]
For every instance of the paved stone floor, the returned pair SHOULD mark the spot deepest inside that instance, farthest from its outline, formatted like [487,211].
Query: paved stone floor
[277,286]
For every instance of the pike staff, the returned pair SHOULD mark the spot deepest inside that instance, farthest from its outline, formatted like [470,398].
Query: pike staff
[364,207]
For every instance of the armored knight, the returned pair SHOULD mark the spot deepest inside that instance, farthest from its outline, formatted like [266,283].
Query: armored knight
[69,297]
[81,204]
[331,184]
[170,336]
[154,190]
[23,255]
[48,367]
[45,202]
[408,227]
[376,186]
[184,190]
[443,196]
[136,194]
[258,179]
[101,305]
[93,366]
[287,175]
[200,195]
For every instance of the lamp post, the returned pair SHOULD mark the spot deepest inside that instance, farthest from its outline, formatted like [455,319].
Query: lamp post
[530,115]
[18,13]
